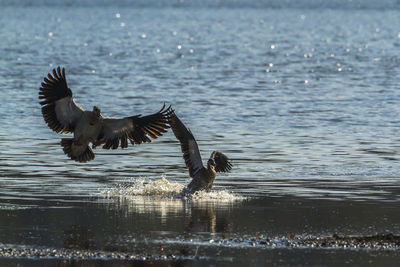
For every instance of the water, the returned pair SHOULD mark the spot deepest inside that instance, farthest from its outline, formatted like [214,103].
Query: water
[304,100]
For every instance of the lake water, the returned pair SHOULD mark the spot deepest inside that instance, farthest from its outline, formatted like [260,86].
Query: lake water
[304,100]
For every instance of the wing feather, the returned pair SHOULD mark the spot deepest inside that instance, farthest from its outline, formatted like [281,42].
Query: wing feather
[59,109]
[136,129]
[189,147]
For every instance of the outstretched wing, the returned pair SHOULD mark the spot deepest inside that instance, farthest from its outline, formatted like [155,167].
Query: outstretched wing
[189,146]
[59,110]
[136,129]
[222,163]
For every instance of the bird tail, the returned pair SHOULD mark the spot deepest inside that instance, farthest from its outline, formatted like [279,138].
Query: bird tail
[76,152]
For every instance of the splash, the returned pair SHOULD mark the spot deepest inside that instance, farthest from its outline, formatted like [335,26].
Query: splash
[164,188]
[142,187]
[216,195]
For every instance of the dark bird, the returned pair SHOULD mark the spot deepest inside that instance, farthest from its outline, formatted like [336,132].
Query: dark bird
[63,115]
[203,177]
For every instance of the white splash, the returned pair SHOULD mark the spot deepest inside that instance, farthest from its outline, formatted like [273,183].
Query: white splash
[142,187]
[164,188]
[216,195]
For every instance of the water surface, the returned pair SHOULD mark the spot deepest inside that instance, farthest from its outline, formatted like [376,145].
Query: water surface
[305,101]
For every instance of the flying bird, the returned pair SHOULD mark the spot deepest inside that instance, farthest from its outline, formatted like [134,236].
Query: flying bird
[203,177]
[63,115]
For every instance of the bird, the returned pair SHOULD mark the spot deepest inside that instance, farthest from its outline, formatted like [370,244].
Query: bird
[203,177]
[63,115]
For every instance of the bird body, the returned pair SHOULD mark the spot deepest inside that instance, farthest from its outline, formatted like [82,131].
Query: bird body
[86,132]
[203,177]
[62,114]
[87,128]
[202,180]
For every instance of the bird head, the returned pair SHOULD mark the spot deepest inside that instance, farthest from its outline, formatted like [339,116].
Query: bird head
[211,163]
[96,111]
[95,116]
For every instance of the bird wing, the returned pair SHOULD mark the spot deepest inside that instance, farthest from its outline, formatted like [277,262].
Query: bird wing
[189,146]
[59,109]
[136,129]
[222,163]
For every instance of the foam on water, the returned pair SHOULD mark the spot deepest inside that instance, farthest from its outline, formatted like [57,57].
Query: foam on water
[216,195]
[162,187]
[144,187]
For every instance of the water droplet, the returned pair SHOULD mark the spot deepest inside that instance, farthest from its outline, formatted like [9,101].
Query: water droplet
[85,44]
[398,35]
[143,36]
[117,15]
[158,50]
[179,47]
[339,69]
[122,24]
[174,33]
[93,71]
[19,59]
[110,54]
[50,34]
[272,46]
[271,64]
[191,51]
[347,50]
[305,81]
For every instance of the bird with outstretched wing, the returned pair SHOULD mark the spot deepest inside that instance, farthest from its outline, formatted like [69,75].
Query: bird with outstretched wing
[203,177]
[63,115]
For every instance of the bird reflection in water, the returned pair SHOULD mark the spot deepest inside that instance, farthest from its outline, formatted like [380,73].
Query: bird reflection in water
[200,215]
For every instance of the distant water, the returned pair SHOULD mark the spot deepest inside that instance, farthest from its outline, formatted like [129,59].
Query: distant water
[304,100]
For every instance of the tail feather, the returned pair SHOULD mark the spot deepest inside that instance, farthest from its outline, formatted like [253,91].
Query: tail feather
[68,148]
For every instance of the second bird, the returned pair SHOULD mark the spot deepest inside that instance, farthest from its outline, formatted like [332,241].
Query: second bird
[203,177]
